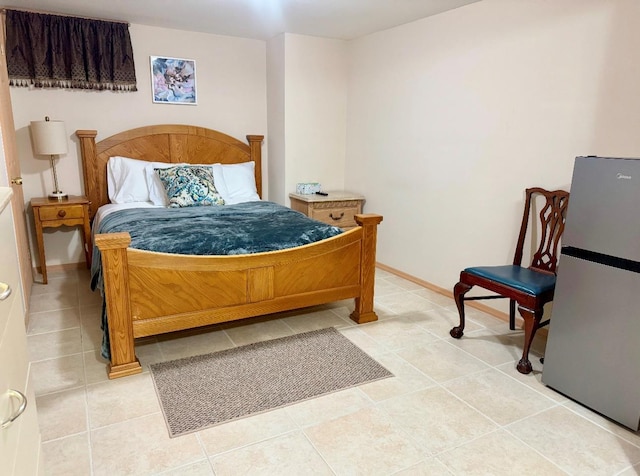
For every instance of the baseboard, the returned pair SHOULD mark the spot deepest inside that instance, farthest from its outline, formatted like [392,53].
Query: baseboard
[60,267]
[448,293]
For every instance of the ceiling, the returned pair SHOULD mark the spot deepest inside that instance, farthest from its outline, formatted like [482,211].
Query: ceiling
[258,19]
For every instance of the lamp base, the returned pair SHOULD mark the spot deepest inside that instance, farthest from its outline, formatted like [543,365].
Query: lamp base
[58,194]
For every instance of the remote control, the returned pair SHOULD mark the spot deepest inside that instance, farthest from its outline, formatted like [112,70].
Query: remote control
[324,194]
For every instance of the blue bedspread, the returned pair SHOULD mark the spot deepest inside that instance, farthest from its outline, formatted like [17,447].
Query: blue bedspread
[244,228]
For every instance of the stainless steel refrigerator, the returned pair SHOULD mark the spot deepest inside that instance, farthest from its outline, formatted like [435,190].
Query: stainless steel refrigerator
[593,346]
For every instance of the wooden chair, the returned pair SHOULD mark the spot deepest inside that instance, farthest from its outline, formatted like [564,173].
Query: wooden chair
[531,288]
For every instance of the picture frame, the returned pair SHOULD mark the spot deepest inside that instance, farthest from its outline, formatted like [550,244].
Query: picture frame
[173,80]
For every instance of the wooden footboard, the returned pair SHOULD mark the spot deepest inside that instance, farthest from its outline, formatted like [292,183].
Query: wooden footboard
[151,293]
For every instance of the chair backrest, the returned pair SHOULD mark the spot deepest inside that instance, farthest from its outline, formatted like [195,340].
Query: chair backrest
[552,218]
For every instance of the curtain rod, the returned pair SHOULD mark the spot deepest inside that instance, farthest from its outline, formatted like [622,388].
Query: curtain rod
[5,10]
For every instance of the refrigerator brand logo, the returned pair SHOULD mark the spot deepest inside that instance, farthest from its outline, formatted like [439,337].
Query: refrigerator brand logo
[623,176]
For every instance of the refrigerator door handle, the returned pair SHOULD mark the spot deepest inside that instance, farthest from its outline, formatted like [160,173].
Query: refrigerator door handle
[599,258]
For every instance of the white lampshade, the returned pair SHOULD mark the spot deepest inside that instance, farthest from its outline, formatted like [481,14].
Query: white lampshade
[49,137]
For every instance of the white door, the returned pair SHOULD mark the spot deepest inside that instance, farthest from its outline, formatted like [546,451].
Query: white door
[13,178]
[19,432]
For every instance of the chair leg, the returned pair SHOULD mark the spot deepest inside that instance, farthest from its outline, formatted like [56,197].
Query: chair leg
[531,321]
[512,314]
[459,290]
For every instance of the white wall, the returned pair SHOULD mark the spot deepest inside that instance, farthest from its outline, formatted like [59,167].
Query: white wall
[450,118]
[315,111]
[307,110]
[276,118]
[231,82]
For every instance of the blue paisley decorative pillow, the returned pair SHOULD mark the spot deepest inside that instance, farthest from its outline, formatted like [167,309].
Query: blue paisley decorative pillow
[189,186]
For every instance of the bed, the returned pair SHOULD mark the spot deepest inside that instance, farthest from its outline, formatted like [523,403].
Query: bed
[149,293]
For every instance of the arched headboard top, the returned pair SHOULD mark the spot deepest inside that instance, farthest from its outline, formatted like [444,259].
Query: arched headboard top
[171,143]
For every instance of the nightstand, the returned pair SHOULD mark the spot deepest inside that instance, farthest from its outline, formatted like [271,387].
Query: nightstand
[54,213]
[336,208]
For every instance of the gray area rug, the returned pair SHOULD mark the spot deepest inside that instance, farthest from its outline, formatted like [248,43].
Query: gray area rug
[202,391]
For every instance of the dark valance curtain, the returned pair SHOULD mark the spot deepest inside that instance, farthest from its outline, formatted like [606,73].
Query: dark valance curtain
[48,51]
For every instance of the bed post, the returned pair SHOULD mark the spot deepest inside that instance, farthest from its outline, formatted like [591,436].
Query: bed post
[88,153]
[364,304]
[113,248]
[255,144]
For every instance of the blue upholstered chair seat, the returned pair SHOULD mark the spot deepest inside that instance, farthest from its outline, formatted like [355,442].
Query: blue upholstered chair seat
[522,279]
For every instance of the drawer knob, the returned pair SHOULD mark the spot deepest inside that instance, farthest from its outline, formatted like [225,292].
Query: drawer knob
[61,213]
[23,404]
[5,291]
[336,218]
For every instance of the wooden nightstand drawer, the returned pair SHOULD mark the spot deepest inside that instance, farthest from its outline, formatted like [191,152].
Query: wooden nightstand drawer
[61,213]
[333,208]
[339,216]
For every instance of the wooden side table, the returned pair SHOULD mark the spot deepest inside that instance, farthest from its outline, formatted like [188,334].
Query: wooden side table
[336,208]
[54,213]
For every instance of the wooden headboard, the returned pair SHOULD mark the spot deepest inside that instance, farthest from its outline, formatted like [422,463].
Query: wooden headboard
[162,143]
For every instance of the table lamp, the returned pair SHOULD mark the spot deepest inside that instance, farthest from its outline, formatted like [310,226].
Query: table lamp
[50,138]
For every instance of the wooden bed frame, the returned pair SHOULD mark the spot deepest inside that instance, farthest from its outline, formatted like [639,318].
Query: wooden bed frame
[150,293]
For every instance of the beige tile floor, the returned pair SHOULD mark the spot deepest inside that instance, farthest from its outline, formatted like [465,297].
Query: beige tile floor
[453,407]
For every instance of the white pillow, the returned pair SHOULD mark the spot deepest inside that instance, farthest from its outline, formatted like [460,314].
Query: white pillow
[126,180]
[218,179]
[238,182]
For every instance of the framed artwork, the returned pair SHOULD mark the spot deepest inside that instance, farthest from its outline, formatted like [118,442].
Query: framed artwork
[173,80]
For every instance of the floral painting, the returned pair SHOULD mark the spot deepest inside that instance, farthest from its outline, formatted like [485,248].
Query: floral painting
[173,80]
